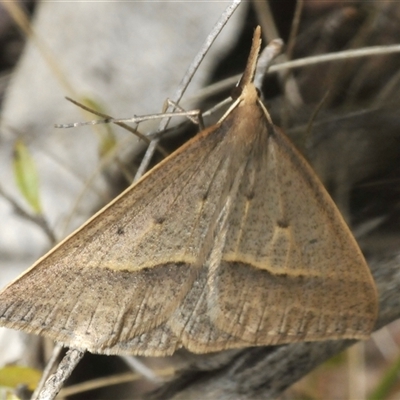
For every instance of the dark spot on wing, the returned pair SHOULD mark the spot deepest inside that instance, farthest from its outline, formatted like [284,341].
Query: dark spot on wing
[204,196]
[120,230]
[282,223]
[250,195]
[159,220]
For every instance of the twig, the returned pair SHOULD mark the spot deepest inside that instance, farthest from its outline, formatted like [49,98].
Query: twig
[54,383]
[46,372]
[299,63]
[107,381]
[20,17]
[294,28]
[36,219]
[107,118]
[339,55]
[269,53]
[270,32]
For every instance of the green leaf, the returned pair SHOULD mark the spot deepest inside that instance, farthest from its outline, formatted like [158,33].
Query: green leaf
[105,132]
[13,375]
[26,175]
[387,383]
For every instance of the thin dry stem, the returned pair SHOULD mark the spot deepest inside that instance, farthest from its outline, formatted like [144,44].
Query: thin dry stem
[187,79]
[227,83]
[47,371]
[54,383]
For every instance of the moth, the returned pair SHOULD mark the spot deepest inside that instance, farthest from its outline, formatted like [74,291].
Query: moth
[230,242]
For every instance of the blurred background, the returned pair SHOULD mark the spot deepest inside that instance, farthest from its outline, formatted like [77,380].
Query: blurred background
[127,58]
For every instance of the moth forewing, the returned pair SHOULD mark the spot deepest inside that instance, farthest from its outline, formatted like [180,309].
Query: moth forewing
[90,294]
[287,247]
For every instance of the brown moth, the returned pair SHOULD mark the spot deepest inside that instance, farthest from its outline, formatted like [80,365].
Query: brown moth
[231,241]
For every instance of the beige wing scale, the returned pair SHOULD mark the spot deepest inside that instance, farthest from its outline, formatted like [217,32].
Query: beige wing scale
[90,294]
[190,326]
[290,268]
